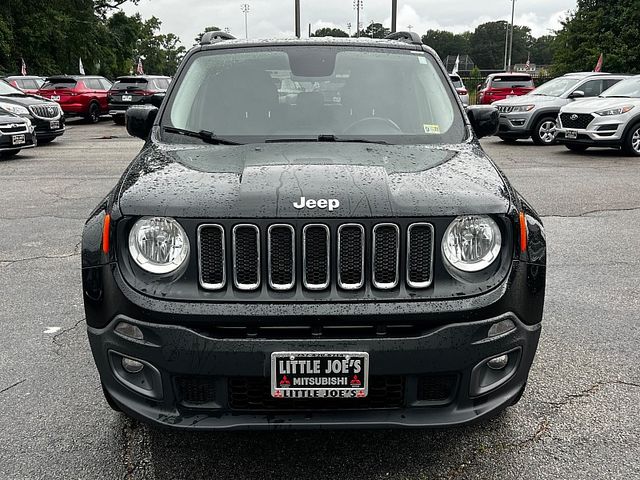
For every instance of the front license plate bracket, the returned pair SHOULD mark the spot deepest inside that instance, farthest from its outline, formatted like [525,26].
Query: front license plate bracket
[319,374]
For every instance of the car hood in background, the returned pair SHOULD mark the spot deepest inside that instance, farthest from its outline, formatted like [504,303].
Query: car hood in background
[263,181]
[25,100]
[591,105]
[538,100]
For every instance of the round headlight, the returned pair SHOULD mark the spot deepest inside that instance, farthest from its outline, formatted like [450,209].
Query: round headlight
[471,243]
[158,244]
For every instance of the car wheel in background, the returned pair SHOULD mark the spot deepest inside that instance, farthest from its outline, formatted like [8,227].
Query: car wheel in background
[94,113]
[576,148]
[510,141]
[544,132]
[9,154]
[118,119]
[631,145]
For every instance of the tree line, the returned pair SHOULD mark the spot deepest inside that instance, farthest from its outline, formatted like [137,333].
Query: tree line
[52,36]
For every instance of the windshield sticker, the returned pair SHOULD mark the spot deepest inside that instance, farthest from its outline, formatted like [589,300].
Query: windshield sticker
[431,129]
[422,60]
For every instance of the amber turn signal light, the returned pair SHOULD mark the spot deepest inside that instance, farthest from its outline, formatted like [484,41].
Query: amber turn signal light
[106,228]
[523,233]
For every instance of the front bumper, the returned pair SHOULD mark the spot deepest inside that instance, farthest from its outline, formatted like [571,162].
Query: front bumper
[515,125]
[605,131]
[457,351]
[6,142]
[43,127]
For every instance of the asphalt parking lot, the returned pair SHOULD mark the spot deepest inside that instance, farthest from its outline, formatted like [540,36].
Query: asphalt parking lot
[580,416]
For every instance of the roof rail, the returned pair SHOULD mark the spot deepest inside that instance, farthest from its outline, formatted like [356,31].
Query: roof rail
[214,37]
[409,37]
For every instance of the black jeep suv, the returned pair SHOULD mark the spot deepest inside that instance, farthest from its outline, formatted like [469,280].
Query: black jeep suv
[135,90]
[45,116]
[348,257]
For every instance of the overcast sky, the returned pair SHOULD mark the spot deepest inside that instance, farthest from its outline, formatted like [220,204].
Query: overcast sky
[274,18]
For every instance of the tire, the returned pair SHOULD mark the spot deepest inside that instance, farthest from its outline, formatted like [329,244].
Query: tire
[631,142]
[509,141]
[574,147]
[543,133]
[114,406]
[118,119]
[94,113]
[9,154]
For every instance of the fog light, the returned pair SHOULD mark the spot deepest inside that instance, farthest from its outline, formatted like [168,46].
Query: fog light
[128,330]
[501,327]
[498,363]
[132,366]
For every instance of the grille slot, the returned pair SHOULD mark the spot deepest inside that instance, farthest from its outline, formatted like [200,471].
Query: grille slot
[282,264]
[45,111]
[437,388]
[211,252]
[254,394]
[14,128]
[419,255]
[196,390]
[580,120]
[315,256]
[246,257]
[351,256]
[386,255]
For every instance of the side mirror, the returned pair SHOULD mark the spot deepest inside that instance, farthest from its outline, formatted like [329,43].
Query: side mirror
[484,119]
[576,94]
[140,119]
[157,98]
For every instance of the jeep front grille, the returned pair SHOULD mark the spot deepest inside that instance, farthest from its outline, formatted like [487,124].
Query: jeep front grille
[311,256]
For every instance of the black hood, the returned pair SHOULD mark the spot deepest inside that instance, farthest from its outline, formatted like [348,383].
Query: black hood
[263,181]
[24,100]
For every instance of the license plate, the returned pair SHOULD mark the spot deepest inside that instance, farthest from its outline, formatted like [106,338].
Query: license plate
[126,98]
[54,124]
[319,374]
[55,98]
[572,134]
[18,140]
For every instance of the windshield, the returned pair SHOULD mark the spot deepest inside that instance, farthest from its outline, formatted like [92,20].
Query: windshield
[303,92]
[556,87]
[6,89]
[56,84]
[511,81]
[130,84]
[626,88]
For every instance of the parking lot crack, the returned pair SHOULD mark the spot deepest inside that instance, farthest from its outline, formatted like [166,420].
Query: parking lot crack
[593,212]
[56,338]
[11,261]
[14,385]
[590,391]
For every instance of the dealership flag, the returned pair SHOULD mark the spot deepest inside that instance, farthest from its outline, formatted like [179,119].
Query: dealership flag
[599,64]
[23,69]
[81,67]
[456,65]
[139,69]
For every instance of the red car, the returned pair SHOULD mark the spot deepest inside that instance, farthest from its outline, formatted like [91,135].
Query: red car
[29,84]
[499,86]
[79,95]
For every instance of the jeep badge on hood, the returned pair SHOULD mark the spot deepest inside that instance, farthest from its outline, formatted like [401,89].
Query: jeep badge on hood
[330,203]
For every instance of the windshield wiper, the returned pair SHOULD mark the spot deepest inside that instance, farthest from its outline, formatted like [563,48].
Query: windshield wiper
[324,138]
[204,135]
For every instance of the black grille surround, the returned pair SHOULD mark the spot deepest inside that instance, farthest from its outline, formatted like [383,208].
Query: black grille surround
[349,256]
[576,120]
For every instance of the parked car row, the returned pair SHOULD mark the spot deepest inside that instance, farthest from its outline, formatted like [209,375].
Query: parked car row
[33,109]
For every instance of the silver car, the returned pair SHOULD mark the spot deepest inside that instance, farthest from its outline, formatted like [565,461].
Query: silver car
[534,115]
[460,88]
[611,120]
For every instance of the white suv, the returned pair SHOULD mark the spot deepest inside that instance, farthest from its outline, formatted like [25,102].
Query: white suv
[611,120]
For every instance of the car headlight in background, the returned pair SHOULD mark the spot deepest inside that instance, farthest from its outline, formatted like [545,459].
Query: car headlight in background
[158,244]
[16,109]
[615,111]
[472,242]
[522,108]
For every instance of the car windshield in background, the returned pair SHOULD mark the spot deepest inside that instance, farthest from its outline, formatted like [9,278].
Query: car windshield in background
[130,84]
[6,89]
[303,93]
[512,81]
[556,87]
[58,84]
[629,88]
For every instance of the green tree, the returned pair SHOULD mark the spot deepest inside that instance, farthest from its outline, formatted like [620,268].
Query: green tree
[488,44]
[541,50]
[447,43]
[600,26]
[329,32]
[375,30]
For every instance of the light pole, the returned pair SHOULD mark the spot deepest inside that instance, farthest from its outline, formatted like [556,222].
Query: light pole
[245,7]
[358,5]
[506,45]
[394,15]
[296,13]
[513,11]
